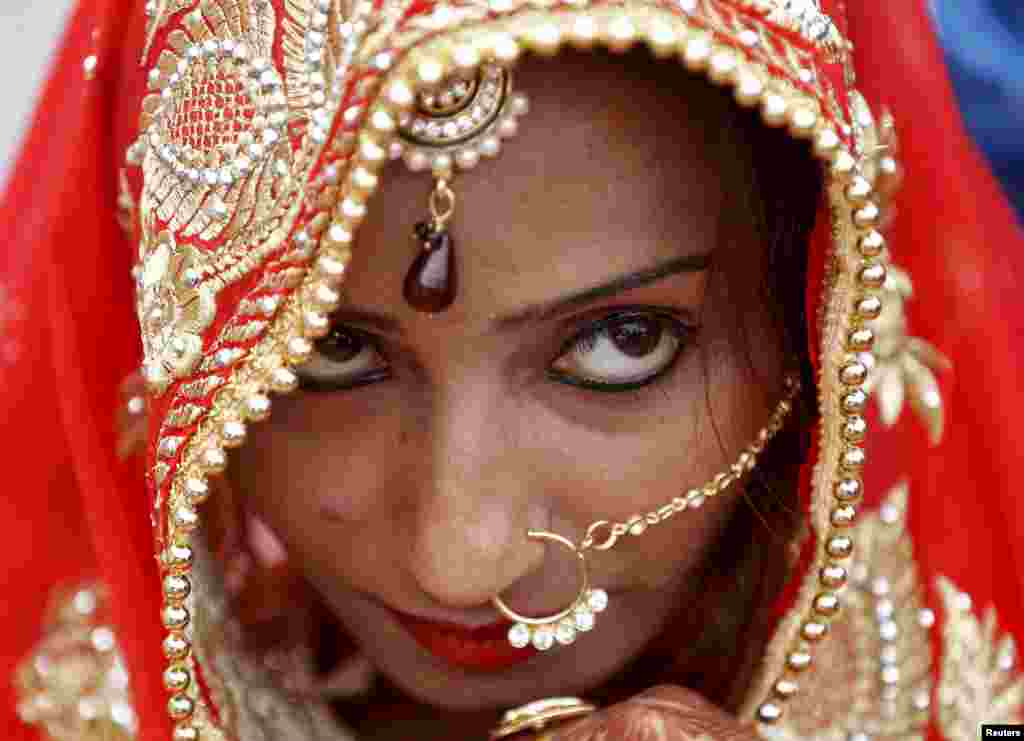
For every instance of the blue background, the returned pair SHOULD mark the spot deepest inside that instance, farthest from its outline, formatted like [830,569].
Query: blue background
[984,42]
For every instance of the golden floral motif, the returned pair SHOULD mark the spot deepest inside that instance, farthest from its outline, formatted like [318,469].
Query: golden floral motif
[901,370]
[173,308]
[74,685]
[978,682]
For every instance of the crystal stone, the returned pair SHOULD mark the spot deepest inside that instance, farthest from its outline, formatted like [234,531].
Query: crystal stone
[519,635]
[597,599]
[543,638]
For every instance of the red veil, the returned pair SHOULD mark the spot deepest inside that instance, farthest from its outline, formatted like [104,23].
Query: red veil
[69,336]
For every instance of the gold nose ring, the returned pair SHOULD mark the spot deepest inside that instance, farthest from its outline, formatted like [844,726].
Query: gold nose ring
[561,627]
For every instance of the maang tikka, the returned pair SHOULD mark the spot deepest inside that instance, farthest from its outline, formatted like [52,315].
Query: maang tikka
[451,128]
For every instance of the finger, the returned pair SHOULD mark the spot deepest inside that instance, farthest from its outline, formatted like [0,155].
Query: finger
[661,713]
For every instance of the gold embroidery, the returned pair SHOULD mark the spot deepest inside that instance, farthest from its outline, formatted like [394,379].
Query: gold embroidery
[74,686]
[127,208]
[159,12]
[768,71]
[978,683]
[173,309]
[880,654]
[902,366]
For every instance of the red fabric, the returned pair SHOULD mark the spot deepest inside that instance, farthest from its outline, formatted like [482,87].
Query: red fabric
[72,508]
[963,249]
[70,337]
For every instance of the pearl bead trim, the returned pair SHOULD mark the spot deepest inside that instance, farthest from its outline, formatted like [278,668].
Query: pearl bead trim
[244,398]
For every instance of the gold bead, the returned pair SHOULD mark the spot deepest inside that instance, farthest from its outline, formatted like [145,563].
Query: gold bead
[337,237]
[853,459]
[833,576]
[176,647]
[848,489]
[843,164]
[826,142]
[299,350]
[197,490]
[722,66]
[400,92]
[872,276]
[798,660]
[331,267]
[854,429]
[383,121]
[186,732]
[175,617]
[871,244]
[860,340]
[844,515]
[866,216]
[177,587]
[324,297]
[636,525]
[839,546]
[430,71]
[213,461]
[802,121]
[814,631]
[284,380]
[697,52]
[178,556]
[186,518]
[257,407]
[621,34]
[869,307]
[583,32]
[233,433]
[662,38]
[316,323]
[853,374]
[774,109]
[859,190]
[826,604]
[749,88]
[177,678]
[180,707]
[786,688]
[466,57]
[854,402]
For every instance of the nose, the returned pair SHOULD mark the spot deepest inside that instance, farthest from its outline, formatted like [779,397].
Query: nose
[473,508]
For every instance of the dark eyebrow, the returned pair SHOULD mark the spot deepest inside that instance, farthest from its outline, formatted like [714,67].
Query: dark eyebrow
[538,312]
[549,309]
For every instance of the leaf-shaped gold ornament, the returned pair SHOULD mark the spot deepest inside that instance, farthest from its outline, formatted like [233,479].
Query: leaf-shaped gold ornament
[978,683]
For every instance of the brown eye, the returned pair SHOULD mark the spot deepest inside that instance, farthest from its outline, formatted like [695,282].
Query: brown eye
[340,346]
[344,359]
[636,337]
[621,352]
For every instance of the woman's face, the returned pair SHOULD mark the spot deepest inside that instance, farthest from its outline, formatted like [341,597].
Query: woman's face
[590,368]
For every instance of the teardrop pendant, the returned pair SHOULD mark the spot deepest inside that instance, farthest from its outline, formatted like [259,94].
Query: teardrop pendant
[431,283]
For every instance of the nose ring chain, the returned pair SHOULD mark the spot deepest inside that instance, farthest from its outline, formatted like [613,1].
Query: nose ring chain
[563,627]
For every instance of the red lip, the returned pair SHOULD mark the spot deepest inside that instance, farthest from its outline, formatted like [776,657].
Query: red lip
[483,649]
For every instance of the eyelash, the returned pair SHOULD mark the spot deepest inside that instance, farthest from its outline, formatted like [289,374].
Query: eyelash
[583,344]
[587,339]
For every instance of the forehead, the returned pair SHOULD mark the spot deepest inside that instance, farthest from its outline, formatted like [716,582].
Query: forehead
[620,163]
